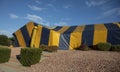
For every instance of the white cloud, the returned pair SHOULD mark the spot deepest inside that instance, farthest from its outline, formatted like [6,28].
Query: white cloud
[37,19]
[38,2]
[110,13]
[61,24]
[67,6]
[50,5]
[35,8]
[33,17]
[4,32]
[13,16]
[91,3]
[114,11]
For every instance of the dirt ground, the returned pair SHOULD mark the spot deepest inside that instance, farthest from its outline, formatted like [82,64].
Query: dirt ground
[73,61]
[78,61]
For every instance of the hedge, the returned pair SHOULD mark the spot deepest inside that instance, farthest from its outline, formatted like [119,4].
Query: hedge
[4,40]
[104,46]
[4,54]
[30,56]
[115,48]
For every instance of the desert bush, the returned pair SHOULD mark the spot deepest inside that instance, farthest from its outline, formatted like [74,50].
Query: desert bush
[4,40]
[49,48]
[52,48]
[104,46]
[30,56]
[44,47]
[4,54]
[82,47]
[115,48]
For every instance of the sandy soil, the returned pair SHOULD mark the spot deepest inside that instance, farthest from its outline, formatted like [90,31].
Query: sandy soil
[78,61]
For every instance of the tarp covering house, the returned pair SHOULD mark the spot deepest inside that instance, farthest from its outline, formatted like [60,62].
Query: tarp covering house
[23,35]
[67,37]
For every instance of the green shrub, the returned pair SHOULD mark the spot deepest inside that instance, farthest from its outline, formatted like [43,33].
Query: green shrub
[30,56]
[104,46]
[115,48]
[49,48]
[4,54]
[4,40]
[82,47]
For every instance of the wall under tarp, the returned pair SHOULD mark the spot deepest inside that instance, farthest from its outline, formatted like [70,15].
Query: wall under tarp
[68,37]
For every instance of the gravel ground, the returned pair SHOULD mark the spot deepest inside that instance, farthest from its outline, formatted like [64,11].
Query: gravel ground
[1,70]
[78,61]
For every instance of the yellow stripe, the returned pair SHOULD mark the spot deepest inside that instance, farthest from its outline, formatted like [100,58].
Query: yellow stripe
[38,37]
[63,29]
[75,39]
[100,27]
[20,38]
[33,37]
[100,33]
[30,27]
[54,38]
[79,29]
[117,24]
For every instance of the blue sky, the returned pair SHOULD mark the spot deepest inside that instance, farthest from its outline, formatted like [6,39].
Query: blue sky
[16,13]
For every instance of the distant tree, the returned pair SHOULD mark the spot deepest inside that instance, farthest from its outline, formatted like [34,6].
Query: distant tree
[4,40]
[11,40]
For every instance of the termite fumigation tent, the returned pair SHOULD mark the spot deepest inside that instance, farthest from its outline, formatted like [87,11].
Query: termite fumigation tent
[67,37]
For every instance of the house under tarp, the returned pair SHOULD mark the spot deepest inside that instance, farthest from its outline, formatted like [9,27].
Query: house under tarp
[67,37]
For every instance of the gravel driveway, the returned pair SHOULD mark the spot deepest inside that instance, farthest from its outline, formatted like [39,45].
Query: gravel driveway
[78,61]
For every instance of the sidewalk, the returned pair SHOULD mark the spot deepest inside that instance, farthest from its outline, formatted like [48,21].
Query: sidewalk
[12,66]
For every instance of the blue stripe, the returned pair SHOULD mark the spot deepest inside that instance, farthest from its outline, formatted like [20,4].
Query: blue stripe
[88,34]
[71,29]
[113,34]
[57,28]
[64,41]
[15,43]
[35,24]
[111,26]
[45,36]
[26,35]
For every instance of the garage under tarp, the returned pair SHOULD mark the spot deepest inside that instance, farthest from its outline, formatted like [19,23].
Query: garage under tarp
[67,37]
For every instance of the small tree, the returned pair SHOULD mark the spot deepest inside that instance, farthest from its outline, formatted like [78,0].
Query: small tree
[4,40]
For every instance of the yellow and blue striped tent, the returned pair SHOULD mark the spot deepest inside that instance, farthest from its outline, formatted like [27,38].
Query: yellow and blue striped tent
[68,37]
[23,35]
